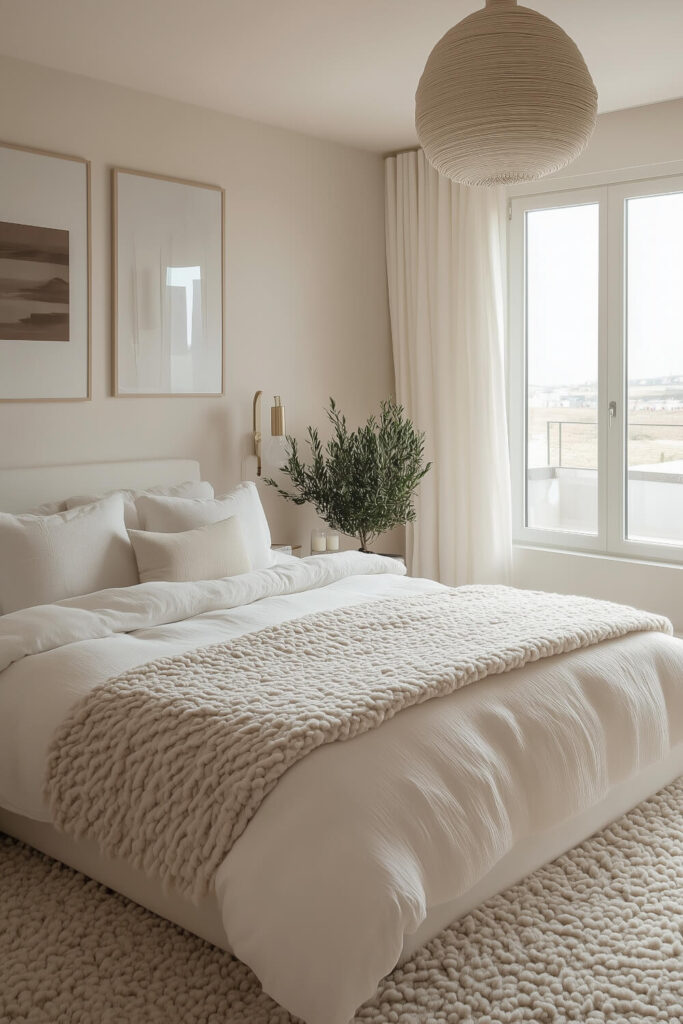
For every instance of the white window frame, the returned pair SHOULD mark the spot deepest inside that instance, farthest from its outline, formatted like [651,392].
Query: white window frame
[611,536]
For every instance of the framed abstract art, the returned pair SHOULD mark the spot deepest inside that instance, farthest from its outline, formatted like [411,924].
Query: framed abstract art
[44,276]
[167,283]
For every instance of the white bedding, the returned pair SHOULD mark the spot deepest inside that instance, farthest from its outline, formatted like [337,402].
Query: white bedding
[359,838]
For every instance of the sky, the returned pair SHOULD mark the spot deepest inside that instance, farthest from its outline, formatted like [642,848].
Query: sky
[562,266]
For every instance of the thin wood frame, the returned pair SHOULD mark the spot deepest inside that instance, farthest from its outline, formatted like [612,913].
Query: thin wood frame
[88,216]
[115,171]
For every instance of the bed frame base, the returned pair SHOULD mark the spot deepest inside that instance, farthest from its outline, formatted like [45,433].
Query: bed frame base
[205,920]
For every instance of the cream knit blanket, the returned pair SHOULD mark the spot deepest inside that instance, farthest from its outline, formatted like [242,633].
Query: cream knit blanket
[165,765]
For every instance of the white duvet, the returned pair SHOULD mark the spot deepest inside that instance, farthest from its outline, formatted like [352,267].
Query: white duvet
[360,838]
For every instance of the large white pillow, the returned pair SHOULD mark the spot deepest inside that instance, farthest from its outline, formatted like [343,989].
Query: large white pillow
[47,558]
[172,515]
[207,553]
[49,508]
[188,489]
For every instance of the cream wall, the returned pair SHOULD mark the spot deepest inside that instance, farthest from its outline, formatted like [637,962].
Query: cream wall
[633,143]
[305,283]
[639,140]
[639,136]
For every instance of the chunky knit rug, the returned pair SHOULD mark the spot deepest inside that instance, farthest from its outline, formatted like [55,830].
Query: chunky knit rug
[595,936]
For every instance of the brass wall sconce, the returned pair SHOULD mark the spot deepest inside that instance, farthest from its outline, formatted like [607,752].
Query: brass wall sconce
[277,425]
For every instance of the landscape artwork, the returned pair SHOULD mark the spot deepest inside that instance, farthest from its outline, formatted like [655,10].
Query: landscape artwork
[34,283]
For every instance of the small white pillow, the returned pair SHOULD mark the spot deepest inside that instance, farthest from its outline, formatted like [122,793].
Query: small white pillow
[207,553]
[171,515]
[188,489]
[47,558]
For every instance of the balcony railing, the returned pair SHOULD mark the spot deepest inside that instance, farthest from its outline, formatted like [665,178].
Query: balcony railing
[571,444]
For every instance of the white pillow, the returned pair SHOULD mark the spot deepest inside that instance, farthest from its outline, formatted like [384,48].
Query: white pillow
[207,553]
[188,489]
[47,558]
[48,509]
[171,515]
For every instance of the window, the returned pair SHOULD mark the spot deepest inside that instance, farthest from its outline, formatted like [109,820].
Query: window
[596,369]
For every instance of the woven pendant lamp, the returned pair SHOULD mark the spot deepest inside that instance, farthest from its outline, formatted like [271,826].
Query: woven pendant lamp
[505,96]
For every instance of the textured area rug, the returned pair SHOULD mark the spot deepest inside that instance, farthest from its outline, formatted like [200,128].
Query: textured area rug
[595,936]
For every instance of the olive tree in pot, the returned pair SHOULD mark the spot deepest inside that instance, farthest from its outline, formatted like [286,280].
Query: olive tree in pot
[362,482]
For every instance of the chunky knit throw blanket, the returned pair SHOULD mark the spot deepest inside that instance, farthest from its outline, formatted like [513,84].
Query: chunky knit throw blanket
[166,764]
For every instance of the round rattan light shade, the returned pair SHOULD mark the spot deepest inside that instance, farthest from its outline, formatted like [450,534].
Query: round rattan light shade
[505,96]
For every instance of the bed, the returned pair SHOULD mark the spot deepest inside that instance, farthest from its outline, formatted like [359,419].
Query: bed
[363,849]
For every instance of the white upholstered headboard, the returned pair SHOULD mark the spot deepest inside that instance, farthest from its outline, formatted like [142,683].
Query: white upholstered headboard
[22,489]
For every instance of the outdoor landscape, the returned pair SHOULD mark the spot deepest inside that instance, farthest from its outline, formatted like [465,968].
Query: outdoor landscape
[562,424]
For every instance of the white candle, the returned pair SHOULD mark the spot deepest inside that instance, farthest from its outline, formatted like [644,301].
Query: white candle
[318,542]
[332,541]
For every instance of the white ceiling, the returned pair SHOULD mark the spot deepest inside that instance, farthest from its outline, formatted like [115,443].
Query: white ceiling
[340,69]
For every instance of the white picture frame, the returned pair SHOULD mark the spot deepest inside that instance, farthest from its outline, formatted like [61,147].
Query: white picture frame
[45,276]
[167,286]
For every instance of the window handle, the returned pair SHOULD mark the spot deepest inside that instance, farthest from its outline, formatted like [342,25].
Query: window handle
[612,409]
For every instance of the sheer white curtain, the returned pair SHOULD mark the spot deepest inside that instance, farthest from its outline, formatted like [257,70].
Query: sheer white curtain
[445,246]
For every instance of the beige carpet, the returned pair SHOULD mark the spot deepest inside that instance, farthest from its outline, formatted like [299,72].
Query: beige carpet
[595,936]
